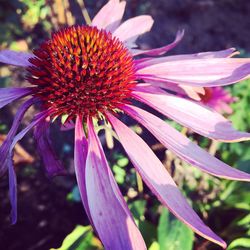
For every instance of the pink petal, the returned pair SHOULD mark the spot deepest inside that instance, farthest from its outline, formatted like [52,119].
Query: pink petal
[8,95]
[110,214]
[181,90]
[198,72]
[196,116]
[162,50]
[12,175]
[80,157]
[219,100]
[204,55]
[183,147]
[130,30]
[159,181]
[223,107]
[148,88]
[110,16]
[12,189]
[53,165]
[15,58]
[5,147]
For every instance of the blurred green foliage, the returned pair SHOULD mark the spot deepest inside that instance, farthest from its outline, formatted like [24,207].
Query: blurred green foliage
[173,234]
[80,238]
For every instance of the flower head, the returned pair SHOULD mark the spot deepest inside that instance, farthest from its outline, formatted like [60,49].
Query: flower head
[218,99]
[82,71]
[85,74]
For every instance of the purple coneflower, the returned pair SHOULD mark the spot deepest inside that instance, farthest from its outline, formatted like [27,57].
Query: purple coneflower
[218,99]
[90,74]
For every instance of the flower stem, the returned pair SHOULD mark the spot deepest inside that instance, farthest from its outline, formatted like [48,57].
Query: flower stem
[184,131]
[139,183]
[85,12]
[213,147]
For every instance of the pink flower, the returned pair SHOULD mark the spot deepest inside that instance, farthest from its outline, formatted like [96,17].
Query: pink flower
[91,73]
[218,99]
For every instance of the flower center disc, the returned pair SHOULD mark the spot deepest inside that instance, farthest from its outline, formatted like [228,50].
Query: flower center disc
[82,71]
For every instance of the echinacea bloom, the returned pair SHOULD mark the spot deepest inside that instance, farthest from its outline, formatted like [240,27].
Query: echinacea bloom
[218,99]
[89,74]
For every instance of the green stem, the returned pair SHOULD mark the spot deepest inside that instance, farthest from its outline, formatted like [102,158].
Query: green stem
[85,13]
[139,183]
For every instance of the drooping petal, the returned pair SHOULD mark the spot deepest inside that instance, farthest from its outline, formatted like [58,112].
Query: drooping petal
[159,181]
[196,116]
[12,189]
[15,58]
[177,89]
[203,55]
[131,29]
[5,147]
[80,157]
[110,16]
[53,165]
[183,147]
[198,72]
[8,95]
[181,90]
[110,214]
[12,175]
[162,50]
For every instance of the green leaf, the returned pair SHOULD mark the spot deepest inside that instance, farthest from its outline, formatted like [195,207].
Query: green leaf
[154,246]
[79,237]
[148,231]
[173,234]
[244,221]
[123,162]
[120,174]
[138,209]
[241,242]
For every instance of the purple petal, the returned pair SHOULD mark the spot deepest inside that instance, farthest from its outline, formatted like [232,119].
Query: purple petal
[38,118]
[198,72]
[220,100]
[162,50]
[183,147]
[159,181]
[110,16]
[204,55]
[12,175]
[12,189]
[177,89]
[181,90]
[51,162]
[130,30]
[194,115]
[15,58]
[8,95]
[111,216]
[5,147]
[80,157]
